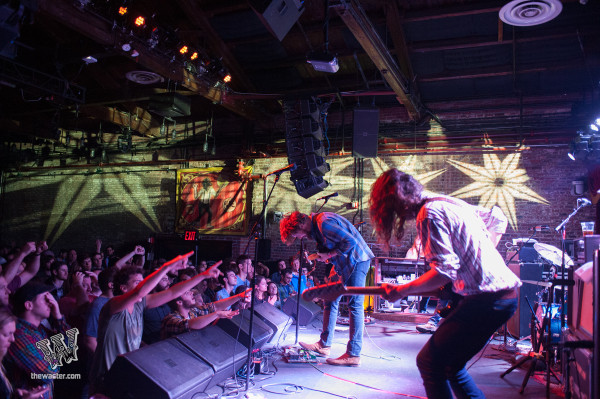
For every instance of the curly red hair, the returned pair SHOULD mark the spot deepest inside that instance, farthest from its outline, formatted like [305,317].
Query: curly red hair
[290,224]
[395,198]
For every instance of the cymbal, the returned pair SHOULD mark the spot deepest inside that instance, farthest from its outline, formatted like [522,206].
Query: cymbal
[552,254]
[540,283]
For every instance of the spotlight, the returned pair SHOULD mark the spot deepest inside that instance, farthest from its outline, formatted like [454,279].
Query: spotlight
[126,47]
[122,10]
[183,50]
[227,78]
[140,21]
[194,56]
[594,127]
[134,53]
[571,155]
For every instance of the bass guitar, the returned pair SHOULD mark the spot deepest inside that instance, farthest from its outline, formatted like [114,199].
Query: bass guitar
[330,292]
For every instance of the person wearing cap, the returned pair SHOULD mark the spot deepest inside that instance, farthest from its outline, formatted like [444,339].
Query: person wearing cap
[121,320]
[33,303]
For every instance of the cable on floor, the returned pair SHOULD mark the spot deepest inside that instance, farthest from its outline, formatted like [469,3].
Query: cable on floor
[291,389]
[367,386]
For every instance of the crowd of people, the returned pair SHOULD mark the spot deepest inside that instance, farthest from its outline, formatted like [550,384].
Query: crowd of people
[101,305]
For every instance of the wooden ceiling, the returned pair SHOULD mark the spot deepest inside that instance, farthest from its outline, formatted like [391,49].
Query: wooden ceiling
[452,63]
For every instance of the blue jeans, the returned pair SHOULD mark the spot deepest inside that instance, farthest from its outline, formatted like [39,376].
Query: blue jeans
[356,309]
[461,336]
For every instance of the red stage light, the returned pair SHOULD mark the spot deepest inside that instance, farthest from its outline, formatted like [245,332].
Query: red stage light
[122,10]
[194,56]
[183,50]
[140,21]
[227,78]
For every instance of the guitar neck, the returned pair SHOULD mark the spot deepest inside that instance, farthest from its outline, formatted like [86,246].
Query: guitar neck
[381,291]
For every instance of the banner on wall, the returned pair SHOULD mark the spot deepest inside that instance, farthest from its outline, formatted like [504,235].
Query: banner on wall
[212,201]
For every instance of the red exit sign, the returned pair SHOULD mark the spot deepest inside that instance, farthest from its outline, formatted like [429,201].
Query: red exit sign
[190,236]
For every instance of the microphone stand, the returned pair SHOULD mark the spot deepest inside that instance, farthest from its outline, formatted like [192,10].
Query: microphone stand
[561,228]
[322,205]
[301,259]
[254,236]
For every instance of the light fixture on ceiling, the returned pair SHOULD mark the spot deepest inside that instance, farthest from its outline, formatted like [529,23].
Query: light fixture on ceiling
[89,60]
[140,21]
[530,12]
[323,61]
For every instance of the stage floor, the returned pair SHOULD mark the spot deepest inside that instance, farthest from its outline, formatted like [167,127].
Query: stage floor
[387,370]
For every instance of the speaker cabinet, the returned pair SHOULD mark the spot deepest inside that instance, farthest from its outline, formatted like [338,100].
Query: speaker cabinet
[264,249]
[278,15]
[275,319]
[308,310]
[163,370]
[217,349]
[366,130]
[238,327]
[519,324]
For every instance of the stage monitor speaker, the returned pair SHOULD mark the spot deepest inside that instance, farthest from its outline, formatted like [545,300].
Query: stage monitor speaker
[519,324]
[580,369]
[238,327]
[218,349]
[308,310]
[366,130]
[278,15]
[163,370]
[275,319]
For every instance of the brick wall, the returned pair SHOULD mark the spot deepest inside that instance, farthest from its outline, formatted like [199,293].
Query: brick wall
[71,208]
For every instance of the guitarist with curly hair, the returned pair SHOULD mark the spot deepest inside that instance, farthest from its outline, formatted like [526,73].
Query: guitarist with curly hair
[459,249]
[341,244]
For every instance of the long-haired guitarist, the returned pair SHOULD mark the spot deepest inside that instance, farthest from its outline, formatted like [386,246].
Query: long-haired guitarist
[339,242]
[459,249]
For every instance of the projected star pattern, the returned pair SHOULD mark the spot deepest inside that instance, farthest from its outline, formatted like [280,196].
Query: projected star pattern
[497,183]
[78,193]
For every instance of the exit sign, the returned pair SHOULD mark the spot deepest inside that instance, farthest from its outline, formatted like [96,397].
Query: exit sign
[190,236]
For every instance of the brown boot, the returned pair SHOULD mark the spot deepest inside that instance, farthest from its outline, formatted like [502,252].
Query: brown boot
[345,360]
[316,347]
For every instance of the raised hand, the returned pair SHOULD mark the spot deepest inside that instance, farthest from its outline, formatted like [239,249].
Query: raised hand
[40,247]
[213,271]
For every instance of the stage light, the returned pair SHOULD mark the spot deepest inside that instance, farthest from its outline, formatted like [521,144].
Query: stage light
[571,155]
[126,47]
[135,53]
[183,50]
[122,10]
[140,21]
[194,56]
[594,127]
[227,78]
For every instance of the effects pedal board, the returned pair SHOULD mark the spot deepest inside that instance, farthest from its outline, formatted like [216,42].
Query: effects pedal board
[299,355]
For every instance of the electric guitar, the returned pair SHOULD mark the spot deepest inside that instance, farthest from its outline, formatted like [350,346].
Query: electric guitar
[330,292]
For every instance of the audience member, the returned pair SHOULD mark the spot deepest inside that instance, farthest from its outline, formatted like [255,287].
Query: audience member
[187,315]
[121,319]
[273,295]
[60,274]
[260,289]
[244,265]
[281,266]
[32,304]
[286,289]
[229,281]
[7,337]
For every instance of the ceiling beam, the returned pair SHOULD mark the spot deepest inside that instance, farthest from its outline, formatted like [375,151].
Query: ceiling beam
[361,27]
[201,21]
[102,32]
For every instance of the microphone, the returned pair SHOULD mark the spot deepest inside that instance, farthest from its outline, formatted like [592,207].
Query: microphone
[328,196]
[290,167]
[581,202]
[540,228]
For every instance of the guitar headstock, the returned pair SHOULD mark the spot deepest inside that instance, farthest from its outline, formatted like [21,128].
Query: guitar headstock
[327,292]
